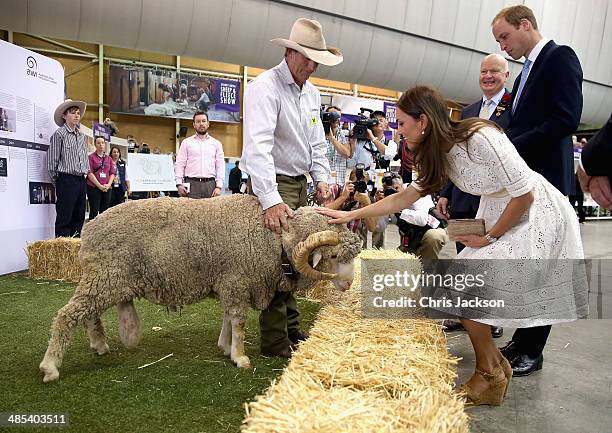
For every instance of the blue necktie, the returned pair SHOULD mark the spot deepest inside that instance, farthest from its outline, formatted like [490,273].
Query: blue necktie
[524,75]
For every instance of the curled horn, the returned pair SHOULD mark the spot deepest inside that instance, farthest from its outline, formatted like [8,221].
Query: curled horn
[302,251]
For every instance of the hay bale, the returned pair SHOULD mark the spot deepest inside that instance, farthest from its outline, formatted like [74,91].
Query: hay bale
[364,375]
[369,354]
[298,403]
[55,259]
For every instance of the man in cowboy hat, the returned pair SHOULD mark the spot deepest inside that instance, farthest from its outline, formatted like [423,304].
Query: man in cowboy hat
[68,166]
[283,140]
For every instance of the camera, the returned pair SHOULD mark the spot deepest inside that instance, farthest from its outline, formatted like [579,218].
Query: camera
[388,177]
[387,182]
[359,171]
[360,186]
[360,130]
[327,117]
[389,191]
[360,183]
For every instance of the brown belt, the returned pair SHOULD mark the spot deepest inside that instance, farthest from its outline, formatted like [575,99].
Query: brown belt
[298,178]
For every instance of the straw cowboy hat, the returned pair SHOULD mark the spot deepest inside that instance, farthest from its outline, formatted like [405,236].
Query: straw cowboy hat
[61,108]
[307,39]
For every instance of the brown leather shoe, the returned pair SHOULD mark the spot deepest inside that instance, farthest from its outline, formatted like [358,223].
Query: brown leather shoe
[282,353]
[296,336]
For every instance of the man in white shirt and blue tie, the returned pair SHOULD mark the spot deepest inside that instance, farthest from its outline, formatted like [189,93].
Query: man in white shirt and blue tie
[546,110]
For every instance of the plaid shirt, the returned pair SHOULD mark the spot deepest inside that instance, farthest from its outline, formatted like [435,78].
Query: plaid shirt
[336,161]
[67,153]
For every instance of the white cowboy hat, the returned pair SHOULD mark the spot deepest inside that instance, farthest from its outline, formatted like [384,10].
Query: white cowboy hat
[61,109]
[307,39]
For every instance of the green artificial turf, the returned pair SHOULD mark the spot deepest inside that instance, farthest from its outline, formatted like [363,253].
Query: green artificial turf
[198,389]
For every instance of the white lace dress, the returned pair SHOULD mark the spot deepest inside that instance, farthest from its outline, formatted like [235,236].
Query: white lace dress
[539,281]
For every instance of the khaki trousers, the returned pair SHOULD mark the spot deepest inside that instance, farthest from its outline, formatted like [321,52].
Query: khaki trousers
[280,320]
[432,243]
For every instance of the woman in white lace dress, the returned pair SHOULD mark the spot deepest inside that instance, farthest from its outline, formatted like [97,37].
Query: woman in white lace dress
[526,218]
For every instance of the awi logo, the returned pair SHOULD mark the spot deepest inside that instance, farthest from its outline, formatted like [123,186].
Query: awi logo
[32,66]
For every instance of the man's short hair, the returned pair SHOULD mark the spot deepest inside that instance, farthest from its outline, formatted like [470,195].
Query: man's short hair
[200,113]
[378,113]
[514,14]
[333,107]
[71,109]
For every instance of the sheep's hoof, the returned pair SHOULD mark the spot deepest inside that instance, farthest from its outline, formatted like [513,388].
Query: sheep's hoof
[243,362]
[50,371]
[101,348]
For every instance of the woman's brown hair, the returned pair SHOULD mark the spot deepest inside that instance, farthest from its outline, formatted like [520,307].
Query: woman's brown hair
[440,135]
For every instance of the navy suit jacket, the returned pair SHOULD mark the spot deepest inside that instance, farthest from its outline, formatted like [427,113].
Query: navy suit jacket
[548,113]
[462,204]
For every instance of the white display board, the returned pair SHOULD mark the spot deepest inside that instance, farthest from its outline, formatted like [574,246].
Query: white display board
[32,85]
[150,172]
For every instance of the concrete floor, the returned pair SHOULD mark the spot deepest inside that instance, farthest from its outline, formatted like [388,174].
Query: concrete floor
[573,391]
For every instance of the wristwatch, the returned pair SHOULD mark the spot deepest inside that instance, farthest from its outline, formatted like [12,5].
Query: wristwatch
[490,238]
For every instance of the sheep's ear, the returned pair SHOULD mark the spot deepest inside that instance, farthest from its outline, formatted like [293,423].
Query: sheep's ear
[316,258]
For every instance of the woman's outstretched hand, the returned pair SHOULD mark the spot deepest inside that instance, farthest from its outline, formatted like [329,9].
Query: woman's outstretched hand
[338,216]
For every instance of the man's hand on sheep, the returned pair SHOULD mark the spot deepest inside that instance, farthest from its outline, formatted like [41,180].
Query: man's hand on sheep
[338,216]
[275,217]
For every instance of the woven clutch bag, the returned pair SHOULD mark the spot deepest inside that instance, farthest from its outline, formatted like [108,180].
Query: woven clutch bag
[462,227]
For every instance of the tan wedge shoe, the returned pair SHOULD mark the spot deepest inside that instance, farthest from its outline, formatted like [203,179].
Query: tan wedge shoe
[494,394]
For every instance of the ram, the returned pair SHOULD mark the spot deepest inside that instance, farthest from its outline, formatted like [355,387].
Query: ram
[178,251]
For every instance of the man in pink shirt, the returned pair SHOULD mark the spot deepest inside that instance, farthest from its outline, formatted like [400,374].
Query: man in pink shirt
[199,162]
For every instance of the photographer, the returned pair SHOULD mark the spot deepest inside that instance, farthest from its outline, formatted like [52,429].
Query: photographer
[421,232]
[338,147]
[372,149]
[354,195]
[405,156]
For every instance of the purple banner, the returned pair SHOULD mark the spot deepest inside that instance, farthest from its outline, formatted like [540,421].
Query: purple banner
[390,114]
[228,95]
[99,130]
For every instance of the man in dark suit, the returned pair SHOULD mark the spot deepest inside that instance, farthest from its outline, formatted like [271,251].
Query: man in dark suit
[494,106]
[235,179]
[595,169]
[546,109]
